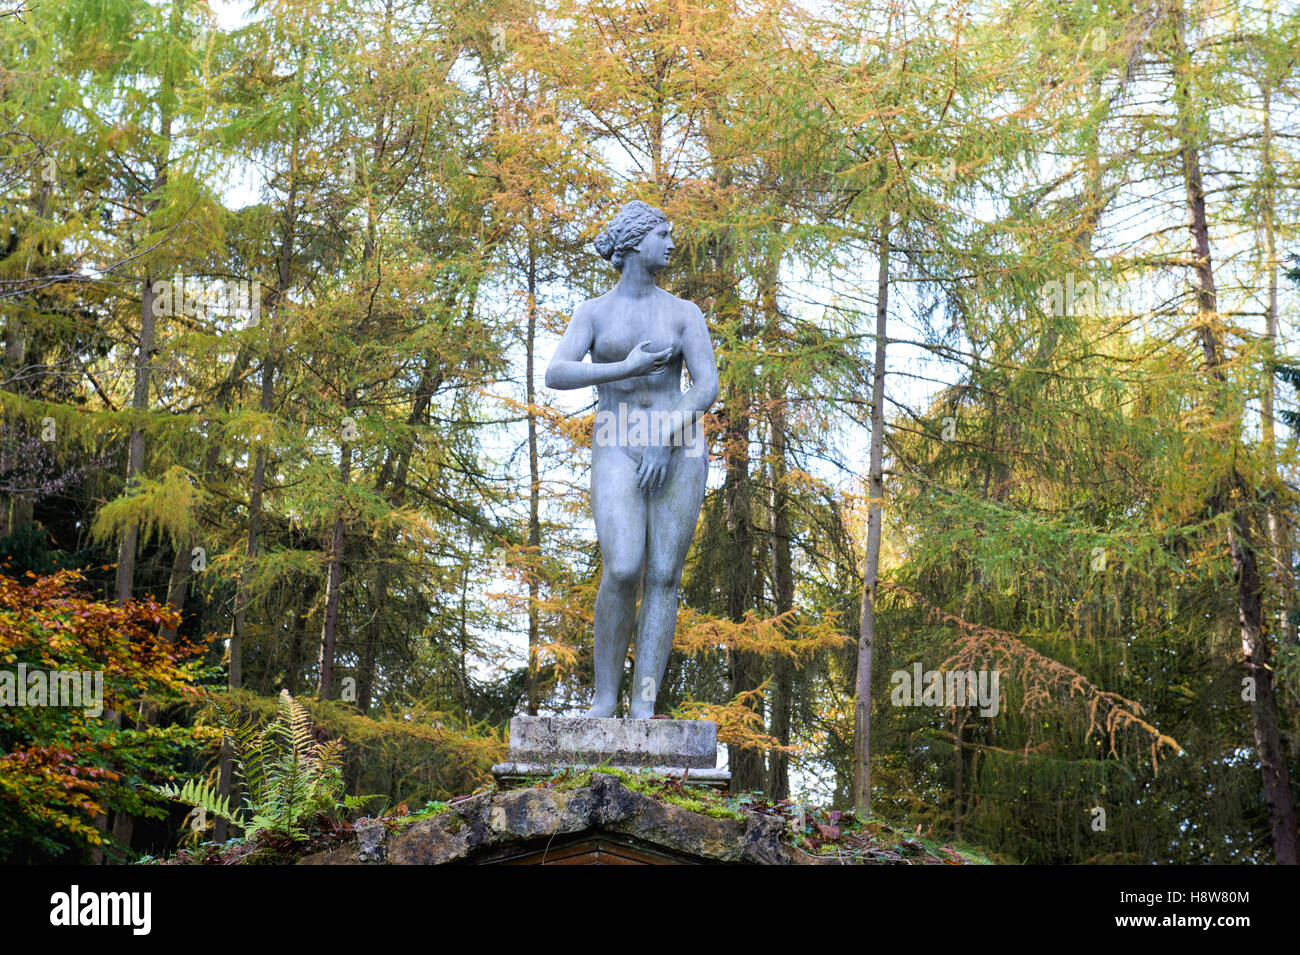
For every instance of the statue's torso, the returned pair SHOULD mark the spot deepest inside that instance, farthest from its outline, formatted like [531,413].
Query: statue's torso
[618,325]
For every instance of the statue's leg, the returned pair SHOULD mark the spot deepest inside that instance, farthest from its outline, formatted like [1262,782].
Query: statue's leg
[619,511]
[671,516]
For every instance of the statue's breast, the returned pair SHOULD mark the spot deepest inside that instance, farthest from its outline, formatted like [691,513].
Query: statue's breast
[619,327]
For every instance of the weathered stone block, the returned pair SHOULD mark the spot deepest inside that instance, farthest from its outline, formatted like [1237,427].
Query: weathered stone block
[582,741]
[507,773]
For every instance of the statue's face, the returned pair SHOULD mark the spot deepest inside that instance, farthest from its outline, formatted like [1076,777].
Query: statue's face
[657,246]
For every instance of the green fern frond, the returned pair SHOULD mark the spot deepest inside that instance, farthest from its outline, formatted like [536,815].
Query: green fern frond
[329,756]
[248,745]
[300,722]
[199,794]
[286,776]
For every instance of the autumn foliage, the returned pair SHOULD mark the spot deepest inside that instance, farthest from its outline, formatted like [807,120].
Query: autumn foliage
[61,768]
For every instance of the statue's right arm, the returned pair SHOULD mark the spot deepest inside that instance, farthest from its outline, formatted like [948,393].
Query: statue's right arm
[567,369]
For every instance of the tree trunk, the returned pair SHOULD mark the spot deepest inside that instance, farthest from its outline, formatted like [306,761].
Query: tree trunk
[1263,706]
[253,542]
[135,444]
[534,487]
[781,700]
[178,584]
[1254,644]
[778,777]
[747,766]
[124,823]
[17,511]
[1278,534]
[235,673]
[334,573]
[334,579]
[875,484]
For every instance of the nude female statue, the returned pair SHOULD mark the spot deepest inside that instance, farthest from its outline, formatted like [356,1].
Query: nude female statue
[649,457]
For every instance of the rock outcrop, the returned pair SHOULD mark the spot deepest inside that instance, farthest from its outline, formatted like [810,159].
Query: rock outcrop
[495,826]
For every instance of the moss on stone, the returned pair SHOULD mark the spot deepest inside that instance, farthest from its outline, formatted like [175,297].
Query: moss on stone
[722,812]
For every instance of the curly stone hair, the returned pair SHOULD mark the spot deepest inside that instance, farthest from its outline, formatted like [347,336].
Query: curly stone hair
[626,230]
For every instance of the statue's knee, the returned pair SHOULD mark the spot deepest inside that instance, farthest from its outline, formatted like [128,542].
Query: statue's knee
[662,578]
[622,575]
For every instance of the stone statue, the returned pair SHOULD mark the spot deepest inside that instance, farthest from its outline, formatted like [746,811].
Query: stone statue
[649,456]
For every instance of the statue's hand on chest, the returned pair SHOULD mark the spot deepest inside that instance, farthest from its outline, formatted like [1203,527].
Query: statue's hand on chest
[628,339]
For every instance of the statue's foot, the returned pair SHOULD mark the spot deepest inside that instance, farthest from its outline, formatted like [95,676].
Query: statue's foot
[602,710]
[643,711]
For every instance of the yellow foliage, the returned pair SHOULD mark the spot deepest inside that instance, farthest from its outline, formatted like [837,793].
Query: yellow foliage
[786,634]
[1043,681]
[740,721]
[166,505]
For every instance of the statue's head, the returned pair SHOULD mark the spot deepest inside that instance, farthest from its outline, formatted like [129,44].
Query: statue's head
[626,231]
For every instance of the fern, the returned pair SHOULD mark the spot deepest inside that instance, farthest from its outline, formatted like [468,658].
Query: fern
[286,775]
[248,744]
[202,796]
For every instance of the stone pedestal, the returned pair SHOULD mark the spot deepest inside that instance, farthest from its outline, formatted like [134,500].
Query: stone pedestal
[540,745]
